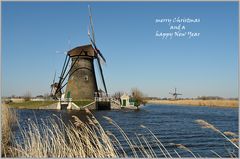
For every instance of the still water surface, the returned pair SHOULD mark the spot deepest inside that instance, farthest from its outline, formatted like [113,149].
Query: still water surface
[171,124]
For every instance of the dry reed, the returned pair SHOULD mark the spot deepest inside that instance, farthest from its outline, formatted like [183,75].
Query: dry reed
[218,103]
[60,140]
[235,140]
[229,133]
[186,149]
[8,118]
[205,124]
[79,139]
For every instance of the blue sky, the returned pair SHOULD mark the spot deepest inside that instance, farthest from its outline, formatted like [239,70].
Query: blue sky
[32,32]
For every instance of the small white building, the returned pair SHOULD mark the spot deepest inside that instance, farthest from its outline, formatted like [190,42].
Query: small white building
[126,100]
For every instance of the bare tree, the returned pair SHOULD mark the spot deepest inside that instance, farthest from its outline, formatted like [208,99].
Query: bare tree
[117,95]
[138,97]
[27,96]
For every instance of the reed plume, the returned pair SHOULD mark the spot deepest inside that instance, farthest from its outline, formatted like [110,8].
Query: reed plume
[229,133]
[205,124]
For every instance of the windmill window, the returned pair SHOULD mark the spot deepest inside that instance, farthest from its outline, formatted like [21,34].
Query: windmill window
[86,77]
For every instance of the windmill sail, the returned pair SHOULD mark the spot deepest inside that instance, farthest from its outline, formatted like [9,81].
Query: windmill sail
[102,77]
[53,83]
[175,94]
[99,55]
[91,23]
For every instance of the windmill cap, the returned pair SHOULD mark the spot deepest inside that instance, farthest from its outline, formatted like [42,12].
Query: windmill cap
[84,50]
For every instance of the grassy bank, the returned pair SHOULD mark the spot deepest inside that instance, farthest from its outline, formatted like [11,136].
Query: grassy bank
[37,104]
[217,103]
[30,104]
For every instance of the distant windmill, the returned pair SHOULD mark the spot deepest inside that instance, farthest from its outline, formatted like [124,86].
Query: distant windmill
[175,94]
[81,83]
[54,87]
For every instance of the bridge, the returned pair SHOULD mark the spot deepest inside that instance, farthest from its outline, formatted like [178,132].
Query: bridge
[99,103]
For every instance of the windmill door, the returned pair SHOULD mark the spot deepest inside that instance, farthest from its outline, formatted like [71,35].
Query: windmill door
[69,94]
[124,102]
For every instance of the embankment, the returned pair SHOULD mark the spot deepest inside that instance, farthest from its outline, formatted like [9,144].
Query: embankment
[30,104]
[216,103]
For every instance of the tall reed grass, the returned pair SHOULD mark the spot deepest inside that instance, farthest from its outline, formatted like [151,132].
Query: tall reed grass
[205,124]
[217,103]
[8,118]
[229,136]
[56,139]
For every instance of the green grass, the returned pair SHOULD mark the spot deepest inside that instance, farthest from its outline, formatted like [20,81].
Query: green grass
[83,102]
[31,104]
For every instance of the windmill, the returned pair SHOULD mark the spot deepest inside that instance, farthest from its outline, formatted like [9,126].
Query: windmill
[81,83]
[175,94]
[54,87]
